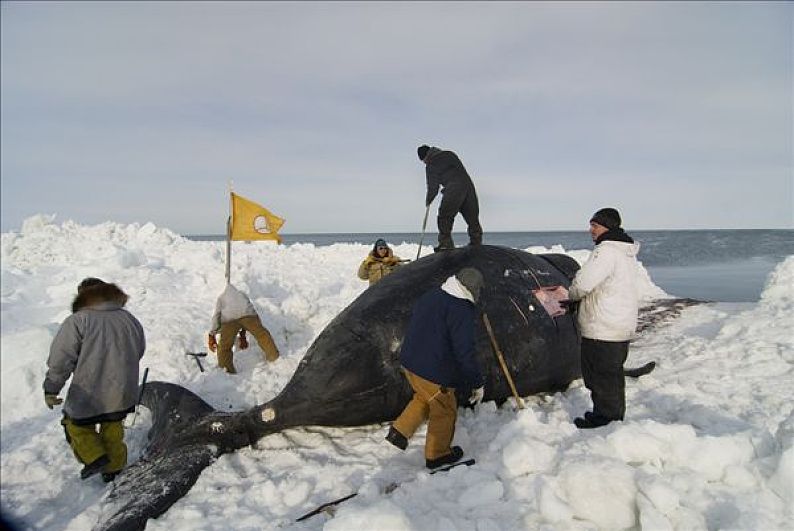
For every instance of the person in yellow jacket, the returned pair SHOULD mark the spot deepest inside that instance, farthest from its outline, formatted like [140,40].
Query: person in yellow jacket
[380,262]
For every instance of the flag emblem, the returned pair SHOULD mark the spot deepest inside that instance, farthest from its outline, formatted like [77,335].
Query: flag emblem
[252,221]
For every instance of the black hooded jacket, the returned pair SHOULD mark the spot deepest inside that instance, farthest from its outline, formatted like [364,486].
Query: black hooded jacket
[444,168]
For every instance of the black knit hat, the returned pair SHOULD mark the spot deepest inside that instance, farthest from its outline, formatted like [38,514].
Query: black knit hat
[607,217]
[472,279]
[422,151]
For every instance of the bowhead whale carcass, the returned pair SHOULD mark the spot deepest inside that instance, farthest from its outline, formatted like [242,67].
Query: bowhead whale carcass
[351,376]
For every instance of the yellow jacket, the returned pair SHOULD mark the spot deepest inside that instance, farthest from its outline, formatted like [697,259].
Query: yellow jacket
[374,268]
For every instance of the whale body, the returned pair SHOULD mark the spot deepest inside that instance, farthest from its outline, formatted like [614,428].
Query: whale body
[351,376]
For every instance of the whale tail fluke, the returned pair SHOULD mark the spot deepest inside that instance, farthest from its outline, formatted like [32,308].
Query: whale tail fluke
[148,488]
[640,371]
[171,406]
[170,465]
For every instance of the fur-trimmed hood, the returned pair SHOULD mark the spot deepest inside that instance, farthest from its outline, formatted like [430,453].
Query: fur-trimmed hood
[98,295]
[378,258]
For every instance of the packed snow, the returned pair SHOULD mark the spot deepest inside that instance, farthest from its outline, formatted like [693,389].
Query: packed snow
[708,440]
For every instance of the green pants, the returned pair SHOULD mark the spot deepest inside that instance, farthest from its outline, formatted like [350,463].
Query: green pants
[89,444]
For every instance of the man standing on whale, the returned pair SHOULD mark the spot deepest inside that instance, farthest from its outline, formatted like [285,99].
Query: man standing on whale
[606,285]
[444,168]
[438,356]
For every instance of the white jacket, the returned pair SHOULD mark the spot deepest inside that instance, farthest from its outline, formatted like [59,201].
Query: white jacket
[607,286]
[232,304]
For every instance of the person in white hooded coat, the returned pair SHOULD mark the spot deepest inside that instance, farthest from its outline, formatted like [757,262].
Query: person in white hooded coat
[606,286]
[234,313]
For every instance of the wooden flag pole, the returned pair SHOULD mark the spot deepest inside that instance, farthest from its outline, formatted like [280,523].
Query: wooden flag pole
[228,249]
[229,238]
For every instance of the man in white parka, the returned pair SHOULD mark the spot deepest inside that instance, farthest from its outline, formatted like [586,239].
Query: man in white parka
[606,286]
[235,313]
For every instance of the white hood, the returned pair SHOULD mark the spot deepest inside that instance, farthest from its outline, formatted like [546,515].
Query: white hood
[453,286]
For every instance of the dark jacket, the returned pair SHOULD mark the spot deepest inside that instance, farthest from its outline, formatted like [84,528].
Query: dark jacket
[99,346]
[439,343]
[444,168]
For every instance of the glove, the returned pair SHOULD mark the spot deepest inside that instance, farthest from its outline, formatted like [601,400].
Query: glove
[212,344]
[52,400]
[476,396]
[569,305]
[243,341]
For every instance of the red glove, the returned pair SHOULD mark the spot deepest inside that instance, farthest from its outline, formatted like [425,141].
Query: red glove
[243,341]
[212,344]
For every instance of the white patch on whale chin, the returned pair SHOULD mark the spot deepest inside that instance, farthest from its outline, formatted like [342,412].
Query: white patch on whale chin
[395,344]
[268,414]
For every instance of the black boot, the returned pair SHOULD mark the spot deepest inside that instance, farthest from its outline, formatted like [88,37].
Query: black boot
[591,421]
[94,468]
[107,477]
[441,248]
[397,438]
[453,456]
[445,241]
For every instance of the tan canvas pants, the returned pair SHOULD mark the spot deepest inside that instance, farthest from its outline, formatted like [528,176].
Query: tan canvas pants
[435,404]
[229,332]
[88,444]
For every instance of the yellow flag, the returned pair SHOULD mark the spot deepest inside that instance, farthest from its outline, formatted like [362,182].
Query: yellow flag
[251,221]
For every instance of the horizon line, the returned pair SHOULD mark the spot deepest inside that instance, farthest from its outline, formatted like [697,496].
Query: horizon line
[583,231]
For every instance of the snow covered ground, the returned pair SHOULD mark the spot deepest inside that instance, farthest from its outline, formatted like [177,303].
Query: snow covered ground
[708,442]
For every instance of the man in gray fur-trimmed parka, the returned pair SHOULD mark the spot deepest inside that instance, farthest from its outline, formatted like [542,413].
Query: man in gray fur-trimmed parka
[99,346]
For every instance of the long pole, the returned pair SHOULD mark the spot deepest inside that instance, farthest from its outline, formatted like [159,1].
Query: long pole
[422,238]
[229,237]
[140,396]
[228,249]
[501,359]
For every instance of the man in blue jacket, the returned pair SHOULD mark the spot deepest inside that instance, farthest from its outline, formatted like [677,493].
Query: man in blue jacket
[438,356]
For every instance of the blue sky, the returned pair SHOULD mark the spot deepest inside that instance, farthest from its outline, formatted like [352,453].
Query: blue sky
[679,114]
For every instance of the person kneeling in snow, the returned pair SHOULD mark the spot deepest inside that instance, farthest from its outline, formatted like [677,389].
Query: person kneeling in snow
[100,346]
[380,262]
[437,356]
[234,313]
[606,285]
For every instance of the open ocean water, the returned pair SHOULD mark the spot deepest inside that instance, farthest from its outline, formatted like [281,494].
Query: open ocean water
[713,265]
